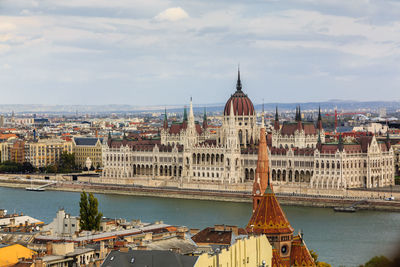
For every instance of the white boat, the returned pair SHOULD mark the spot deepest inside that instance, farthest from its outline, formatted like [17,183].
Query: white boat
[37,189]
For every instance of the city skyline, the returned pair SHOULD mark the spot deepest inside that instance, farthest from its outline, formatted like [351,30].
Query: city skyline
[160,53]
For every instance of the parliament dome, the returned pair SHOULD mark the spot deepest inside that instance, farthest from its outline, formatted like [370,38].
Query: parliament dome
[242,105]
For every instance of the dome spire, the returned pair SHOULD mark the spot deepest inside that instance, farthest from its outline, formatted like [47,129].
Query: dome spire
[238,83]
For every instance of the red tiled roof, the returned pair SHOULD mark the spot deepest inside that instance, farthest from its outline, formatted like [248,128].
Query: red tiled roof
[269,218]
[300,255]
[176,128]
[290,128]
[364,141]
[242,105]
[210,236]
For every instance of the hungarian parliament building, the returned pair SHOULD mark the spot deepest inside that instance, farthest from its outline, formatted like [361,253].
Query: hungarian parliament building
[297,152]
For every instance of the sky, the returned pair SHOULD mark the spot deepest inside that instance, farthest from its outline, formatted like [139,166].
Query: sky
[157,52]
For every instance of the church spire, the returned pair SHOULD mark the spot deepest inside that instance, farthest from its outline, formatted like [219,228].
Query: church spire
[319,123]
[299,114]
[238,83]
[165,119]
[299,124]
[340,146]
[185,118]
[205,125]
[191,114]
[276,122]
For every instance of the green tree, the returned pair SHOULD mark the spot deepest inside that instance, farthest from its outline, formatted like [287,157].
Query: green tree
[67,162]
[379,261]
[90,217]
[314,255]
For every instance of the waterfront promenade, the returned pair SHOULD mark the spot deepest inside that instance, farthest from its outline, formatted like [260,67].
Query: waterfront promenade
[371,199]
[347,239]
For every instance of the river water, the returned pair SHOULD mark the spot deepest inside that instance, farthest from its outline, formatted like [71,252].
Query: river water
[341,239]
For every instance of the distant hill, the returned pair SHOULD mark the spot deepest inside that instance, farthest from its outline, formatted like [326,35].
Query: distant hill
[211,108]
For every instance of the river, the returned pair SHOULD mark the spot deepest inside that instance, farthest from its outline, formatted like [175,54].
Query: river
[341,239]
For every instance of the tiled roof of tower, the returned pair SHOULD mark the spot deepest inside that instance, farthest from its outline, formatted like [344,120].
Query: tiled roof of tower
[300,255]
[277,261]
[269,218]
[242,105]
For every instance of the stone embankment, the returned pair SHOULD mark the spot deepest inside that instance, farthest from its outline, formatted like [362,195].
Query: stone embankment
[294,199]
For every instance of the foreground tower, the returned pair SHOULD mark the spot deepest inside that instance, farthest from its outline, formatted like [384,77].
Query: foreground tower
[262,170]
[268,218]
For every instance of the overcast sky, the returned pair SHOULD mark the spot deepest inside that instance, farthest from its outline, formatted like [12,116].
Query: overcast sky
[157,52]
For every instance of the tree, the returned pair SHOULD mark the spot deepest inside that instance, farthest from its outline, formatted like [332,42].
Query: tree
[379,261]
[90,217]
[314,255]
[67,162]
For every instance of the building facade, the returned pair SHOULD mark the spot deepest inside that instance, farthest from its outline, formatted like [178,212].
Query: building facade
[46,152]
[87,147]
[298,153]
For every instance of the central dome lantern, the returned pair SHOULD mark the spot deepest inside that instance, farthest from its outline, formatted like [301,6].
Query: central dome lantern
[242,105]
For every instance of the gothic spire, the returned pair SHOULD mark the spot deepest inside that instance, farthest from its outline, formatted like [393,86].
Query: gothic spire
[340,143]
[319,122]
[205,119]
[276,122]
[319,113]
[165,119]
[238,83]
[299,114]
[185,117]
[191,114]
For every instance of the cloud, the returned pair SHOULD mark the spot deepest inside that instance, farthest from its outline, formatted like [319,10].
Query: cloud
[172,14]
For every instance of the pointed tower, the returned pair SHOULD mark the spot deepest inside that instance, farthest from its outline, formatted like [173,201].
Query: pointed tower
[232,138]
[388,145]
[205,125]
[319,142]
[191,134]
[165,126]
[340,145]
[239,82]
[319,123]
[268,218]
[262,170]
[299,123]
[276,122]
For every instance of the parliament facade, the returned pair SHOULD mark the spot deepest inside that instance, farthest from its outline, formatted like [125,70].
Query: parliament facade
[298,152]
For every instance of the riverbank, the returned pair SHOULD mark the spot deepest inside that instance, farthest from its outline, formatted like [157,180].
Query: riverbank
[198,194]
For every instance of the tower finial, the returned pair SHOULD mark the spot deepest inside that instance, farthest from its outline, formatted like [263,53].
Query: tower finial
[238,83]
